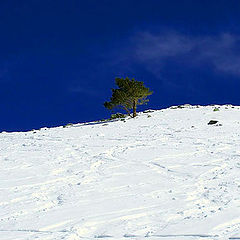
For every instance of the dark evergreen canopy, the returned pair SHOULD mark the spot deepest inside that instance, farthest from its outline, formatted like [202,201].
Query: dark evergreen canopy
[129,94]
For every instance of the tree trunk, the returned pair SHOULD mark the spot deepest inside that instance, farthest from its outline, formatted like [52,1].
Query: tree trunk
[134,108]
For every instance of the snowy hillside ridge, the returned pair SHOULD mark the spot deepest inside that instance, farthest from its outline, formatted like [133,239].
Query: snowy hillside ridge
[166,174]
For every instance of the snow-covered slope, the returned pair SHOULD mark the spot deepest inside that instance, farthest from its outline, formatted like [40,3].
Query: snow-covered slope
[168,176]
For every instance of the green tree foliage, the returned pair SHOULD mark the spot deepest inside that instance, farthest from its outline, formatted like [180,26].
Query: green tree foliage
[129,94]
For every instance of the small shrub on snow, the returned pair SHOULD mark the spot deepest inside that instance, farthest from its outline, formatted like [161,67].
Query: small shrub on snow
[117,115]
[67,125]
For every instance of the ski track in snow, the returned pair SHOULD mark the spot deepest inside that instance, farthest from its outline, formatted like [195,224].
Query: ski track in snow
[168,176]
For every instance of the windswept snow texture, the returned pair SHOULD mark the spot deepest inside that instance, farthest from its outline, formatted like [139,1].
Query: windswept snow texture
[168,176]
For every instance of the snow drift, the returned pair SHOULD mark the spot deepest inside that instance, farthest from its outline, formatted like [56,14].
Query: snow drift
[166,174]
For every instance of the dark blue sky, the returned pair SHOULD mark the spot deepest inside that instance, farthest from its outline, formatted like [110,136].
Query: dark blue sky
[59,58]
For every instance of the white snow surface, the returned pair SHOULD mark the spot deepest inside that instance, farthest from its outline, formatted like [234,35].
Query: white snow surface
[166,174]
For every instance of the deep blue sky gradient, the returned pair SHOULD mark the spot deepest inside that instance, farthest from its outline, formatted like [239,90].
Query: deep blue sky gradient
[59,58]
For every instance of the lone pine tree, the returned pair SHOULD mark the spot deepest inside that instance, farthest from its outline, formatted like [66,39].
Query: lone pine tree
[129,94]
